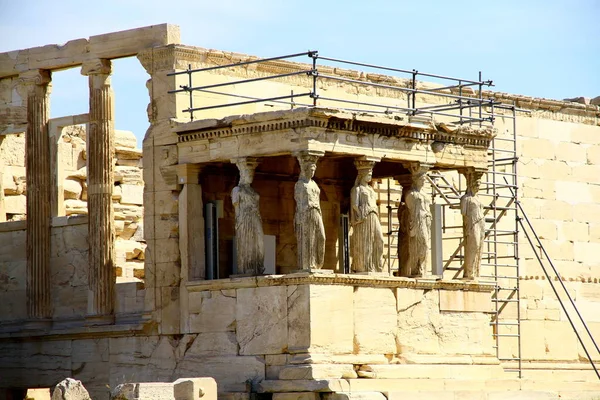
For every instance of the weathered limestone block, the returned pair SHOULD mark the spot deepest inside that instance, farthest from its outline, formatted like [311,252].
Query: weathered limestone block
[261,318]
[214,344]
[131,249]
[195,389]
[72,189]
[142,391]
[15,204]
[324,327]
[323,385]
[296,396]
[557,343]
[212,311]
[232,372]
[430,371]
[354,396]
[70,389]
[127,212]
[462,300]
[375,320]
[127,175]
[125,139]
[318,371]
[418,320]
[76,207]
[12,150]
[465,333]
[132,194]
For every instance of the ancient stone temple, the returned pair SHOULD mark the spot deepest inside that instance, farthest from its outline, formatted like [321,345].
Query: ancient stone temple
[307,234]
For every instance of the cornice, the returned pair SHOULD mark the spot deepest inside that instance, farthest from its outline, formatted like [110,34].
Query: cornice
[362,124]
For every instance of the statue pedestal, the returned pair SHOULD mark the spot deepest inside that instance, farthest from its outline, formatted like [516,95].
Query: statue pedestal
[312,271]
[386,274]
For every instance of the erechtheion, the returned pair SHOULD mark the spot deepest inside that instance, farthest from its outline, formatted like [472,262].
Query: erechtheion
[295,229]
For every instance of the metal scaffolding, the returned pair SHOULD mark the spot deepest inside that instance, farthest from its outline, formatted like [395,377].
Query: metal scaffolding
[467,106]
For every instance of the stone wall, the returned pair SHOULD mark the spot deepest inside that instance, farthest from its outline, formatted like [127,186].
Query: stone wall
[68,274]
[251,333]
[127,195]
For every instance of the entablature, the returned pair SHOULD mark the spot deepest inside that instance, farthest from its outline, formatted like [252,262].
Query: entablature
[418,139]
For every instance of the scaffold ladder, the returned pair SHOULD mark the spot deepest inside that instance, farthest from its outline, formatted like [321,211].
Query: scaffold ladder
[500,259]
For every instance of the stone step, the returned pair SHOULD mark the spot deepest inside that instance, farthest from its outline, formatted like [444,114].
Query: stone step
[423,389]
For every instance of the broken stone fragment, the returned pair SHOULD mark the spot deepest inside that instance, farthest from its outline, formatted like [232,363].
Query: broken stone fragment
[72,189]
[70,389]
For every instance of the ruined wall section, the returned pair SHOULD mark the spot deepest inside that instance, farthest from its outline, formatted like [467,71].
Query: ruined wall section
[127,195]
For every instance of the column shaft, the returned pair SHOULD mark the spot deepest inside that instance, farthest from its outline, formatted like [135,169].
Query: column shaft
[38,194]
[101,232]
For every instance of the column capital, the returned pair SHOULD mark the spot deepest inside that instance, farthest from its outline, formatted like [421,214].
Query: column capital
[417,167]
[38,77]
[97,66]
[188,173]
[309,155]
[478,172]
[366,162]
[249,161]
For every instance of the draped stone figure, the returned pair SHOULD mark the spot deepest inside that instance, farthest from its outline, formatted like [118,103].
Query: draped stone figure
[418,221]
[366,240]
[473,225]
[403,250]
[249,237]
[308,221]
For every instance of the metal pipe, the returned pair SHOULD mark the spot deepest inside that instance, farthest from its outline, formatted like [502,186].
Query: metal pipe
[293,103]
[190,93]
[306,53]
[315,74]
[401,89]
[188,89]
[366,104]
[459,86]
[488,83]
[246,102]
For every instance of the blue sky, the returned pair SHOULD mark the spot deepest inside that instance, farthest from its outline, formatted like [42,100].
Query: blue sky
[537,48]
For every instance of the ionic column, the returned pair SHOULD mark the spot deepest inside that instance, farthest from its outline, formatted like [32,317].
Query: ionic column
[473,224]
[38,193]
[101,231]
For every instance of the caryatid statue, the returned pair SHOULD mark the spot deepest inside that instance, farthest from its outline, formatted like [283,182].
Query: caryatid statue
[308,221]
[418,218]
[249,237]
[473,224]
[366,240]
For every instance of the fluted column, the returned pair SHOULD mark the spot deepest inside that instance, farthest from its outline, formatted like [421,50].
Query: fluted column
[101,231]
[38,193]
